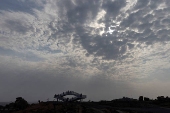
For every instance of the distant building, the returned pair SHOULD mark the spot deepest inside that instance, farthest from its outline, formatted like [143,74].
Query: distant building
[146,99]
[140,98]
[126,99]
[161,98]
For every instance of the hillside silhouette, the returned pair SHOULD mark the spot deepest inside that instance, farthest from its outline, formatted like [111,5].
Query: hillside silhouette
[123,105]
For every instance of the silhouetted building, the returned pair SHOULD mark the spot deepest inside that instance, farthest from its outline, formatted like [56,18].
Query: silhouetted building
[141,98]
[146,99]
[126,99]
[160,98]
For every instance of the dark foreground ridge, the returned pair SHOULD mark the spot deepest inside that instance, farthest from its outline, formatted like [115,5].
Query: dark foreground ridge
[122,105]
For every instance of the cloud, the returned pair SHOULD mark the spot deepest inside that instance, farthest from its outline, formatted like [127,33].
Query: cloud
[72,25]
[83,27]
[141,4]
[26,6]
[16,26]
[25,56]
[84,11]
[84,40]
[113,8]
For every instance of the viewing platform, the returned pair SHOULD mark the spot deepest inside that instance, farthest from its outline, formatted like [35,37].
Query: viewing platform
[64,99]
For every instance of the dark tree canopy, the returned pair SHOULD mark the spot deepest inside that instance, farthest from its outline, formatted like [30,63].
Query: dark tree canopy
[21,103]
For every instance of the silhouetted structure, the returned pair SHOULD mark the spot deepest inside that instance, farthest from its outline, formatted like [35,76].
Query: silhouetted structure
[141,98]
[62,98]
[162,98]
[126,99]
[146,99]
[123,104]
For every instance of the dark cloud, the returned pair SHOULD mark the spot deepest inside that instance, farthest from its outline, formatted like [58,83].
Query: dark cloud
[141,4]
[106,47]
[134,19]
[79,14]
[130,46]
[155,3]
[113,7]
[112,46]
[109,47]
[166,21]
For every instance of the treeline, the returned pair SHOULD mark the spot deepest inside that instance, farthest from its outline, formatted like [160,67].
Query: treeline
[19,104]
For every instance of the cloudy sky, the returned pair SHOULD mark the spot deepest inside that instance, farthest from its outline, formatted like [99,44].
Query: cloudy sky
[105,49]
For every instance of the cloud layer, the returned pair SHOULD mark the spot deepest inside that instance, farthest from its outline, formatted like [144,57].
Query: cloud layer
[120,40]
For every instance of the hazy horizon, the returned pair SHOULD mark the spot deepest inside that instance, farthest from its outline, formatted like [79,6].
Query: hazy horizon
[105,49]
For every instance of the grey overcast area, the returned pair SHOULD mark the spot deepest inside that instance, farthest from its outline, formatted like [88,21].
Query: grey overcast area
[105,49]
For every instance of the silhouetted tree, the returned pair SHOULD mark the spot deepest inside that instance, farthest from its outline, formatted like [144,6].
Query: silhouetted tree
[1,108]
[20,103]
[7,106]
[12,105]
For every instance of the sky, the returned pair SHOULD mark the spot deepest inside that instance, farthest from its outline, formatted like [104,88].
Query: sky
[105,49]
